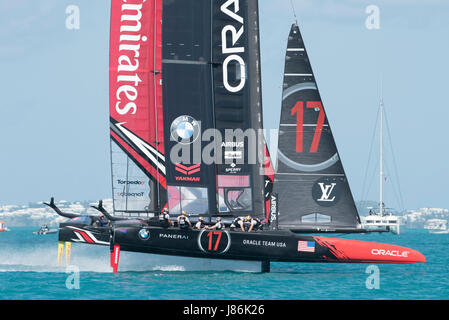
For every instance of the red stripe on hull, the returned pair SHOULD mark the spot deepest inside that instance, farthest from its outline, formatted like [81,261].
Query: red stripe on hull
[357,251]
[86,237]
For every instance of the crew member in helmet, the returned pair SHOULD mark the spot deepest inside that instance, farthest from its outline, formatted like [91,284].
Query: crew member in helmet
[200,225]
[101,221]
[164,219]
[247,222]
[219,225]
[183,221]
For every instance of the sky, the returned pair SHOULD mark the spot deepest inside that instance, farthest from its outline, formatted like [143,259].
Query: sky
[54,93]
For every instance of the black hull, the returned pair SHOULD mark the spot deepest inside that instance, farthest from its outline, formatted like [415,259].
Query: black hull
[279,246]
[265,246]
[82,233]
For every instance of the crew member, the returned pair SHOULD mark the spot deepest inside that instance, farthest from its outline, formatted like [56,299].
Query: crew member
[254,224]
[217,226]
[238,222]
[200,225]
[183,221]
[100,222]
[164,219]
[103,220]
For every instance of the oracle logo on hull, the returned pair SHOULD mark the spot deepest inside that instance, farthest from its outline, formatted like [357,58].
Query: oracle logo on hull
[230,32]
[392,253]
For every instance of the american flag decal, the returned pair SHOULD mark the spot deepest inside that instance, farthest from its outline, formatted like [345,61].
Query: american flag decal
[306,246]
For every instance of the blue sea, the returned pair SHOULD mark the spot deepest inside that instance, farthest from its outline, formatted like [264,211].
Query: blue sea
[29,271]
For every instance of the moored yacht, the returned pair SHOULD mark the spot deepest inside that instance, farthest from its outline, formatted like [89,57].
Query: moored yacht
[382,221]
[436,226]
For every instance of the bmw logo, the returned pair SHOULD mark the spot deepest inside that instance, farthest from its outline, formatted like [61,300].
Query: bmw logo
[144,234]
[185,129]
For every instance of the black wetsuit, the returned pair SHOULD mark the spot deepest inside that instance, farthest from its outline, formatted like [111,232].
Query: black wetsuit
[258,224]
[201,226]
[235,223]
[183,222]
[220,226]
[164,219]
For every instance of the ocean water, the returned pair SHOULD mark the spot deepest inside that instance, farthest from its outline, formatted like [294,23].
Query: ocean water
[29,271]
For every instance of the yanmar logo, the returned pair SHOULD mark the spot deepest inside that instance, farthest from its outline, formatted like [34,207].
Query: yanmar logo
[230,35]
[129,43]
[391,253]
[187,172]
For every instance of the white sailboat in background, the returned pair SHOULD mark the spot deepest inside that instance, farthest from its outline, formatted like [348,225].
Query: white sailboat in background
[381,218]
[437,226]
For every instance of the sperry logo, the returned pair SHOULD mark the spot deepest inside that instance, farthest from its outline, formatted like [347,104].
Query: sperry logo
[327,192]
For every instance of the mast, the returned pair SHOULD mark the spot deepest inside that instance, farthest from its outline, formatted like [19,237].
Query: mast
[381,209]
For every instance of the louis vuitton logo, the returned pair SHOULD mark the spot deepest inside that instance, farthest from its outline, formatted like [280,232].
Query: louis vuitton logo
[326,191]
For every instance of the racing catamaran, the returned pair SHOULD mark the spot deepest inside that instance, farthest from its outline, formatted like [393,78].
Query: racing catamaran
[186,135]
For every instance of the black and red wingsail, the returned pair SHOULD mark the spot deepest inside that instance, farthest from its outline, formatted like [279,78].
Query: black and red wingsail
[136,113]
[211,80]
[310,180]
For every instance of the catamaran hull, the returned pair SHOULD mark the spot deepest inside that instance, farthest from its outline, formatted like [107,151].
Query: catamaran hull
[278,246]
[84,234]
[282,246]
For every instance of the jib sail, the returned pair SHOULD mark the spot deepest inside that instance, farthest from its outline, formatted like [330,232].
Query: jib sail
[211,83]
[136,118]
[312,188]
